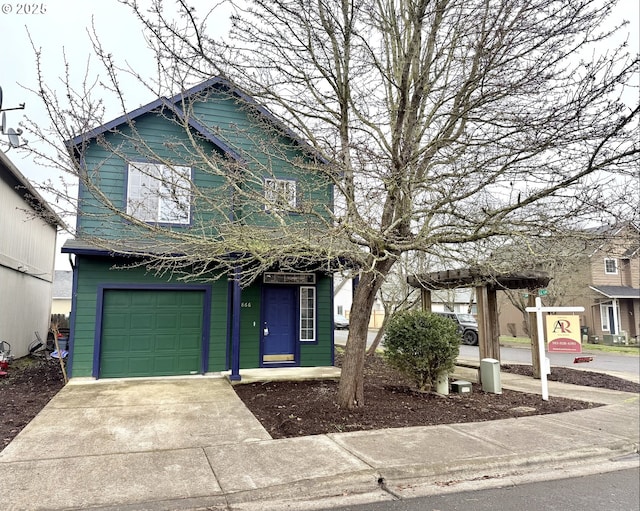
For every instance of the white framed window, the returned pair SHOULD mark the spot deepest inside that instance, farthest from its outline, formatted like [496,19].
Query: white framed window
[159,193]
[280,194]
[611,266]
[307,314]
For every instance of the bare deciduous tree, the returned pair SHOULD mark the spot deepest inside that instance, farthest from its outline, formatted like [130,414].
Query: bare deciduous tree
[441,123]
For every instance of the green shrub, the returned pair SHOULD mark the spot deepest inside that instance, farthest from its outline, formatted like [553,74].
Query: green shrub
[421,345]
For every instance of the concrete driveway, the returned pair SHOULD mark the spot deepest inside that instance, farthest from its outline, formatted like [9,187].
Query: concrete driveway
[106,442]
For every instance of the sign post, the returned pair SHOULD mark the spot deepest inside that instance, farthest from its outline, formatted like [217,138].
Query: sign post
[539,310]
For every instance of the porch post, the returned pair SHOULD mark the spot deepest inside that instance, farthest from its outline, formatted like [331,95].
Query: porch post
[616,316]
[236,295]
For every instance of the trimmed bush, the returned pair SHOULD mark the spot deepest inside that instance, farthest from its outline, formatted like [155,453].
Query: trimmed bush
[421,345]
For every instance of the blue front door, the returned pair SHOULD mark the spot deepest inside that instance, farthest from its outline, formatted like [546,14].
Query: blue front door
[279,325]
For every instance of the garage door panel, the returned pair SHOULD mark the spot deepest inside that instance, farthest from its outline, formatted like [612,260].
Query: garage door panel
[190,299]
[117,320]
[139,298]
[163,364]
[169,320]
[157,333]
[192,321]
[141,343]
[139,366]
[171,300]
[119,343]
[167,343]
[143,320]
[118,300]
[188,343]
[186,362]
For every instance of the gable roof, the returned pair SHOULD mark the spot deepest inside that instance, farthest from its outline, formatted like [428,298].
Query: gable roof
[609,232]
[173,104]
[21,185]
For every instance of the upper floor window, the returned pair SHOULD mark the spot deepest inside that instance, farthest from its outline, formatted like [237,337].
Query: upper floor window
[158,193]
[611,266]
[280,194]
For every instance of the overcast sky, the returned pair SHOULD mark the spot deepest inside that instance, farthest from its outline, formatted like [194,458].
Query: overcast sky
[61,25]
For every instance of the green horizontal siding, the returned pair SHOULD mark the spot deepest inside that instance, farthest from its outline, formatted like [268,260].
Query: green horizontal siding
[266,153]
[108,171]
[93,272]
[250,326]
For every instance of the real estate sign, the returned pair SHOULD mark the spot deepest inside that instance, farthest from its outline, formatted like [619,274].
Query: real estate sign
[563,333]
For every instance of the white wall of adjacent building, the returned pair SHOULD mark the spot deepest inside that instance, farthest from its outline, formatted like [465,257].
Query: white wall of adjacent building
[27,253]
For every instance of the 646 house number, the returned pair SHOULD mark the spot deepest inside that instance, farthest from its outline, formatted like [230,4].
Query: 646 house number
[245,305]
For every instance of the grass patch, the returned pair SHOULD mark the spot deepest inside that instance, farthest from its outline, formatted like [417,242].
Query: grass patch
[602,348]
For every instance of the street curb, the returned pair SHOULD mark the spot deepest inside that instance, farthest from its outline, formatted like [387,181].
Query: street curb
[362,481]
[406,482]
[501,466]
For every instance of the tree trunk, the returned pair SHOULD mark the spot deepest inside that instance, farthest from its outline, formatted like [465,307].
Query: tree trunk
[351,388]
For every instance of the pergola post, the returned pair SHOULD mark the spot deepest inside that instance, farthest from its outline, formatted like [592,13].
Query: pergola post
[494,326]
[425,294]
[488,327]
[484,330]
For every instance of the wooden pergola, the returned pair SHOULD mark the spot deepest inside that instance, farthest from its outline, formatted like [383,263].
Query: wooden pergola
[486,287]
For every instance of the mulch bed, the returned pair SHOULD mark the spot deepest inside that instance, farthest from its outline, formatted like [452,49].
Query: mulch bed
[577,377]
[289,409]
[29,386]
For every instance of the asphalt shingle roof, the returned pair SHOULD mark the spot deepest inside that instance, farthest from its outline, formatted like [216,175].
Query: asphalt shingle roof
[618,291]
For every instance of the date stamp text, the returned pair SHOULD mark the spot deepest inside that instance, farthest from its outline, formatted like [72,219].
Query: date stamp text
[23,8]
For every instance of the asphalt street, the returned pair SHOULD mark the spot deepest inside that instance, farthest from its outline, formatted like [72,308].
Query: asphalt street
[611,491]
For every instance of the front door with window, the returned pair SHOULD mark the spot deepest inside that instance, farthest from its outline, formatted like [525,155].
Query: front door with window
[610,314]
[279,325]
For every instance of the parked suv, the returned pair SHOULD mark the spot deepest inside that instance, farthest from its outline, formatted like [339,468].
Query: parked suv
[467,326]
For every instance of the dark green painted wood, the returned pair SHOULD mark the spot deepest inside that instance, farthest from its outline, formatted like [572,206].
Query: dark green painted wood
[266,152]
[151,333]
[94,271]
[250,326]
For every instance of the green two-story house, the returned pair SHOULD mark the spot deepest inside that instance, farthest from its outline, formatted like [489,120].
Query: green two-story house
[157,185]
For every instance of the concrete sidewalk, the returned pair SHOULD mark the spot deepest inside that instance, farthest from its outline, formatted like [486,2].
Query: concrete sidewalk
[192,444]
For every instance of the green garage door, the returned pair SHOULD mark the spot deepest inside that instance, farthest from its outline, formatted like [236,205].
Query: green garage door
[151,333]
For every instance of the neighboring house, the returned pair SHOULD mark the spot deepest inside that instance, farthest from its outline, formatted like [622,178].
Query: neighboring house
[28,229]
[62,285]
[603,277]
[127,321]
[454,300]
[343,298]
